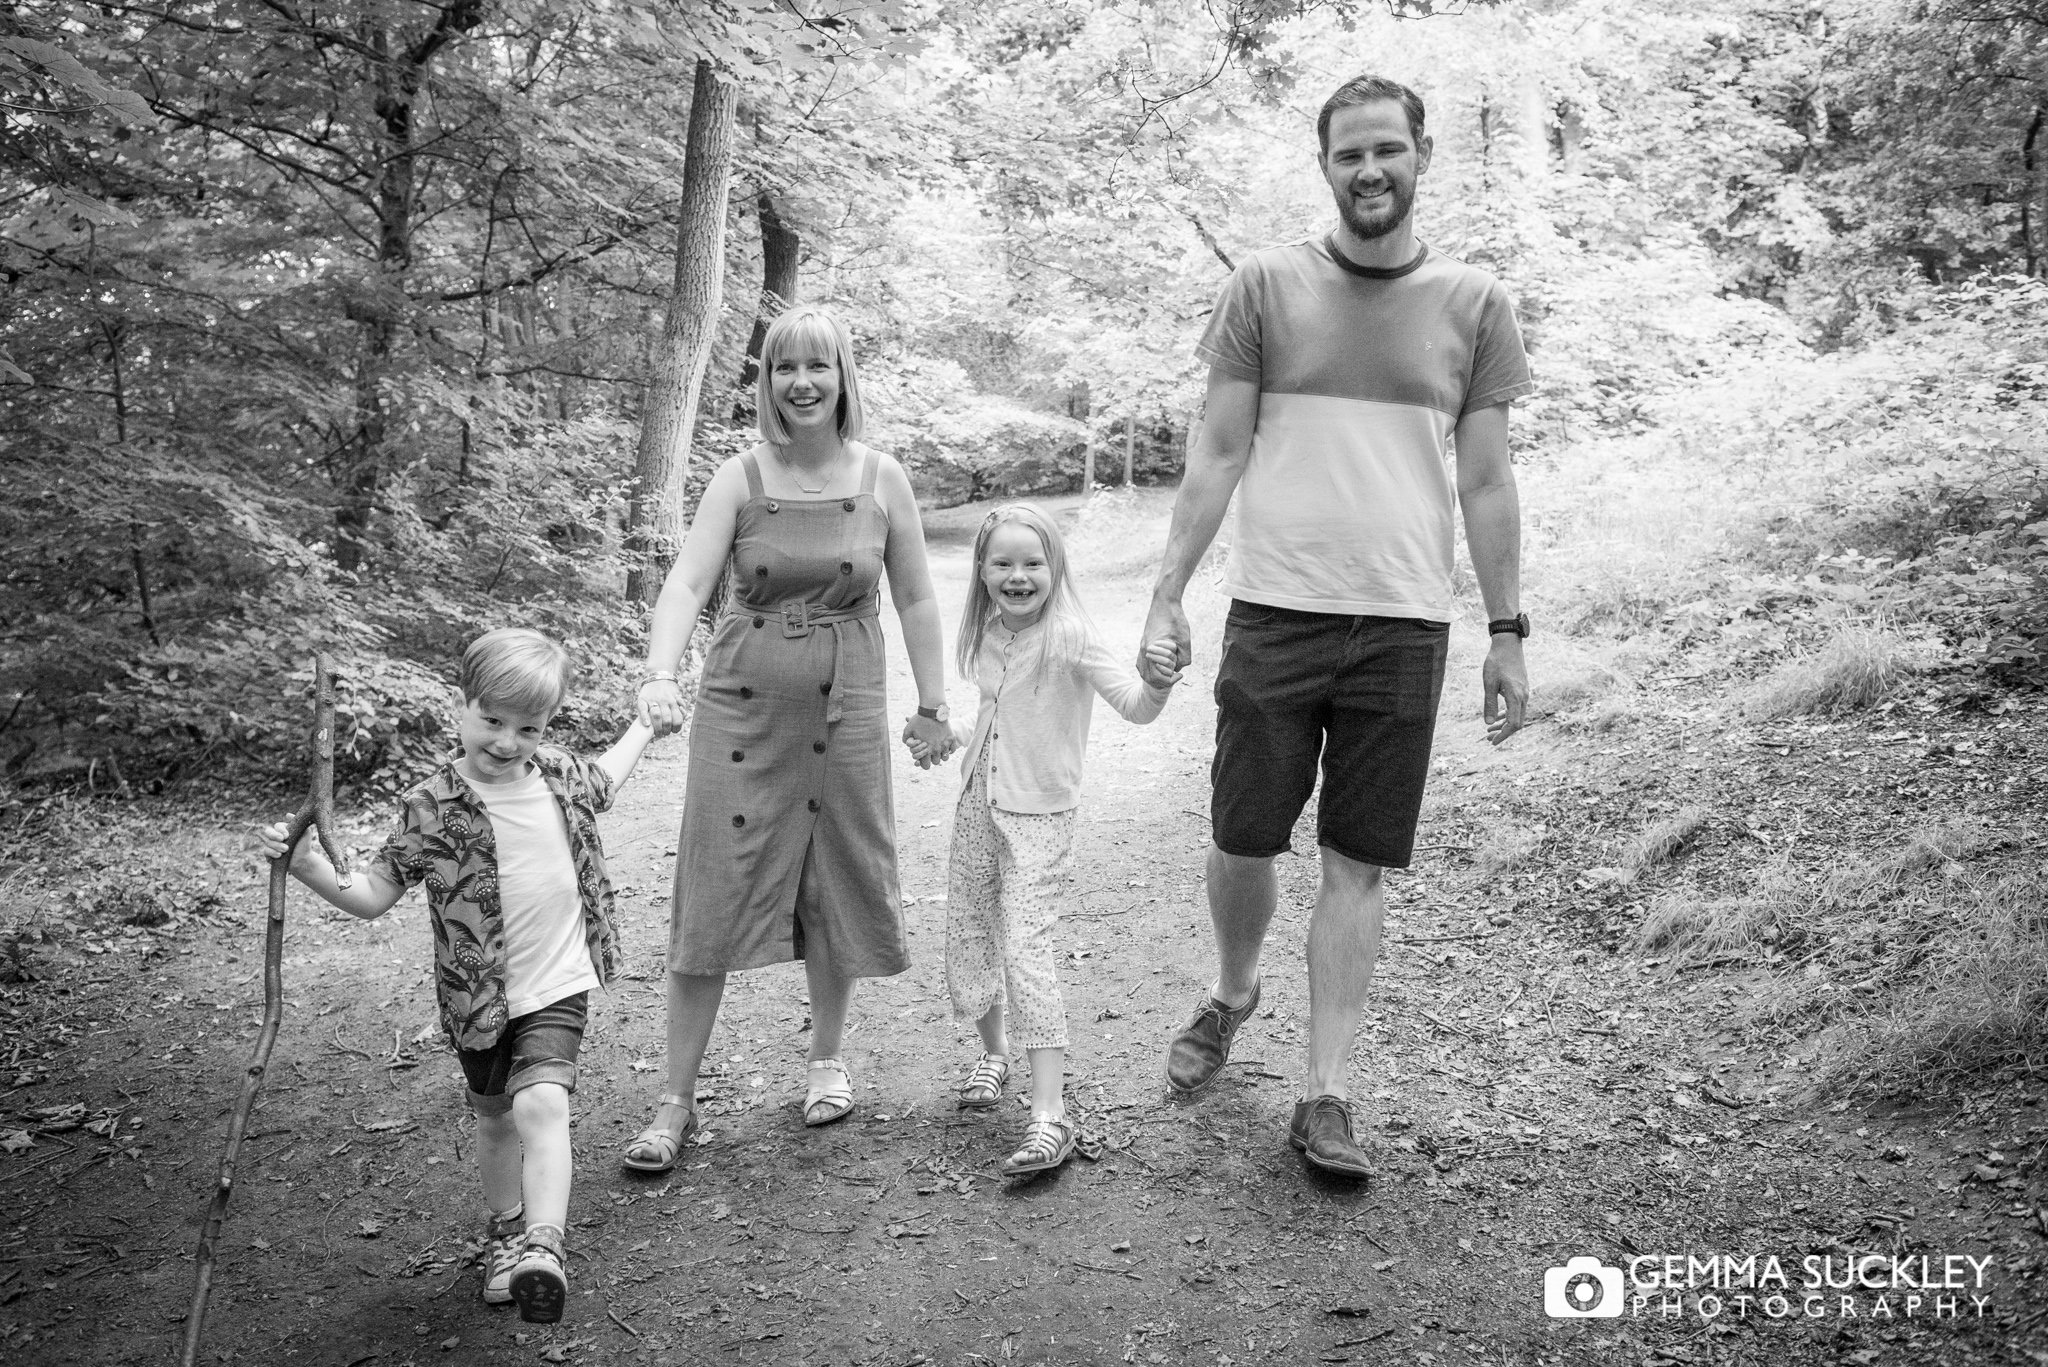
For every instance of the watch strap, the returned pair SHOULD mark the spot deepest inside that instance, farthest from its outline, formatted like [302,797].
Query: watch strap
[1517,625]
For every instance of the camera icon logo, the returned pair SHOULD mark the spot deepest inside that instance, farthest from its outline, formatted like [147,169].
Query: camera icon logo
[1583,1289]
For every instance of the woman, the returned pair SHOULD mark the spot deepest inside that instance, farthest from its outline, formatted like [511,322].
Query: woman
[788,842]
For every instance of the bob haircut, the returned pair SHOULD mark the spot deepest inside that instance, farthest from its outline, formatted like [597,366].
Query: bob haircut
[1368,90]
[1064,619]
[808,328]
[515,668]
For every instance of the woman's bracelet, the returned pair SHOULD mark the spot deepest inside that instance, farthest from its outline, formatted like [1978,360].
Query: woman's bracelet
[657,676]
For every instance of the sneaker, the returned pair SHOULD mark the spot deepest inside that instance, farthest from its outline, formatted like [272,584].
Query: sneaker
[504,1236]
[1321,1129]
[1202,1047]
[539,1284]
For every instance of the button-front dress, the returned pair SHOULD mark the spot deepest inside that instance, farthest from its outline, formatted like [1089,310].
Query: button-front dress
[789,828]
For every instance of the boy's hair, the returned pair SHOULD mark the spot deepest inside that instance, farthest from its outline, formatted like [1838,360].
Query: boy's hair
[1064,619]
[804,328]
[516,668]
[1368,90]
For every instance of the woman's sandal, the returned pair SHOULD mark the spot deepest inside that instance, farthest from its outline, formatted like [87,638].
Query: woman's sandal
[984,1085]
[658,1147]
[1047,1144]
[834,1100]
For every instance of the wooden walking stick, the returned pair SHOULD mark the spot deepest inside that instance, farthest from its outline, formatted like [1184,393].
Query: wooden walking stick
[316,811]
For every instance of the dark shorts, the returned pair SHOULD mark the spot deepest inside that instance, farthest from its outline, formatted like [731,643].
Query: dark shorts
[540,1046]
[1357,694]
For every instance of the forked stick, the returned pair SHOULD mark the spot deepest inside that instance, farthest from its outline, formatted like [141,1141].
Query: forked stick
[316,811]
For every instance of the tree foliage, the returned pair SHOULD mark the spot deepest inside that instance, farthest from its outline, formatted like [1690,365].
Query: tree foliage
[328,328]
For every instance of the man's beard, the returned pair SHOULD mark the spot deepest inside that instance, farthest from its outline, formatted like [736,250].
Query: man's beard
[1369,226]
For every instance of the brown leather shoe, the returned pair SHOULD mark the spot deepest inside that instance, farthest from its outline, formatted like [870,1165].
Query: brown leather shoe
[1200,1050]
[1321,1129]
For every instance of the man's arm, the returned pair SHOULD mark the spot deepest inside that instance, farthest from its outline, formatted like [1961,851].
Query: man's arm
[1215,464]
[1493,534]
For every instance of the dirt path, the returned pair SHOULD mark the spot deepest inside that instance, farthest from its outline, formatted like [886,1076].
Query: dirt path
[1531,1094]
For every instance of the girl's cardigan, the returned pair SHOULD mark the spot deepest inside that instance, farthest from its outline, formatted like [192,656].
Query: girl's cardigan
[1036,720]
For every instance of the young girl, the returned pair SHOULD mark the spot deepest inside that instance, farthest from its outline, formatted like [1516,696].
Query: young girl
[1026,641]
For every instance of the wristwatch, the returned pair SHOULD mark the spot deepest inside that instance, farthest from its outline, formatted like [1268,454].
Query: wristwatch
[1517,624]
[933,713]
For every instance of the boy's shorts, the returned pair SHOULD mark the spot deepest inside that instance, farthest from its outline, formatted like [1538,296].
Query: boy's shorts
[1357,693]
[540,1046]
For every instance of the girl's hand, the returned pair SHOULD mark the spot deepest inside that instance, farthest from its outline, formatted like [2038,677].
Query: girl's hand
[661,706]
[935,736]
[1159,666]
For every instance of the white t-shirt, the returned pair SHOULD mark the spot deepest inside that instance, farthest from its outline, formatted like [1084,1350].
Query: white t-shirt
[546,955]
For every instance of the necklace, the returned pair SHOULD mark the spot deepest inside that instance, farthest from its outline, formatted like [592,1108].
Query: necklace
[790,470]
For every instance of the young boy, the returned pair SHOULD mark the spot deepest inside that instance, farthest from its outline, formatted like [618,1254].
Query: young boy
[505,838]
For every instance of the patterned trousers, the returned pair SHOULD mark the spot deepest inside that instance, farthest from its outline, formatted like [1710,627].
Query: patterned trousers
[1000,910]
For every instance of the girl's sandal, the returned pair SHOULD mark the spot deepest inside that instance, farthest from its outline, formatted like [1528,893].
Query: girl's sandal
[655,1149]
[984,1085]
[1047,1144]
[832,1101]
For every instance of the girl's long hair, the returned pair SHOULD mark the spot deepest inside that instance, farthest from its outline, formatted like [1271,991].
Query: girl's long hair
[1064,620]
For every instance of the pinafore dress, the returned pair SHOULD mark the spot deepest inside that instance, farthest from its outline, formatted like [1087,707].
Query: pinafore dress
[789,830]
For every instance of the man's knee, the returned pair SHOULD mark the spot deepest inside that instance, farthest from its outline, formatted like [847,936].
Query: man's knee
[1345,872]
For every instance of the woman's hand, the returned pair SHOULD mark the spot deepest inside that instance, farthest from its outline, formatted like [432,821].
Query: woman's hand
[933,735]
[661,706]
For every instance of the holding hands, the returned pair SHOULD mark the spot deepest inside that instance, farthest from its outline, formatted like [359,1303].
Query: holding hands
[661,704]
[929,740]
[1159,664]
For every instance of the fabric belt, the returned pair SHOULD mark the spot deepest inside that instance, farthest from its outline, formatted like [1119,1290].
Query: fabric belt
[800,617]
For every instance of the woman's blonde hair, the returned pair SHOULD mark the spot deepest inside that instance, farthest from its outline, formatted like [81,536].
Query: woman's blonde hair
[804,327]
[1064,619]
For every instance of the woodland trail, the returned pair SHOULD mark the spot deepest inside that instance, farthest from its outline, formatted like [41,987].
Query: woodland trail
[1531,1092]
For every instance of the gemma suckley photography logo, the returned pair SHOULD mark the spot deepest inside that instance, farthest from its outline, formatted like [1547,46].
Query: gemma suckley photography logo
[1816,1286]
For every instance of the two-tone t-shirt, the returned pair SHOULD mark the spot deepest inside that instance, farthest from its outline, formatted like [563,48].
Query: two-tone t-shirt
[1347,503]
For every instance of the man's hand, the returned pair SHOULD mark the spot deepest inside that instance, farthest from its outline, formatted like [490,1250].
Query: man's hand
[1504,687]
[1159,663]
[1166,624]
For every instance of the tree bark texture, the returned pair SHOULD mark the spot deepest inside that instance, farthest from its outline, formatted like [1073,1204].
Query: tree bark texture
[668,414]
[780,247]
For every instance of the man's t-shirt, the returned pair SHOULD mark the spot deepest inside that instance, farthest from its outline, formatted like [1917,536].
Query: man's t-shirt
[1347,502]
[545,956]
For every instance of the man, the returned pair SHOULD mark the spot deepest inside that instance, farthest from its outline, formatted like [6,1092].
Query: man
[1340,371]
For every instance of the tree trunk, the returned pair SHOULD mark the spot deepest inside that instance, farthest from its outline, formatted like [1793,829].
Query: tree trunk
[780,247]
[1130,446]
[2031,256]
[397,77]
[668,414]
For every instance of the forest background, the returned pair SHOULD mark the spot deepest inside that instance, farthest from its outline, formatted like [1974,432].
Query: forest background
[333,327]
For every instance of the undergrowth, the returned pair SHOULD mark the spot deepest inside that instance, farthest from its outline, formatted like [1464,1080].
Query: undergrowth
[1925,962]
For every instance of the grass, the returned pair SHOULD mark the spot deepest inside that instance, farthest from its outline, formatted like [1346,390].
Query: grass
[1980,1003]
[1663,841]
[1924,965]
[1859,667]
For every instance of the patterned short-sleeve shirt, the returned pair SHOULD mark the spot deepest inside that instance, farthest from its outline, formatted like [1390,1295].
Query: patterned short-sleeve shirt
[445,841]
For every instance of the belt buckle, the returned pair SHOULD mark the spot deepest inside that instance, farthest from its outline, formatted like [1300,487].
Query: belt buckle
[796,618]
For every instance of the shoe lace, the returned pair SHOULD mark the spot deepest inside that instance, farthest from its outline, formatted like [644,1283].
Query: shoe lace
[1211,1009]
